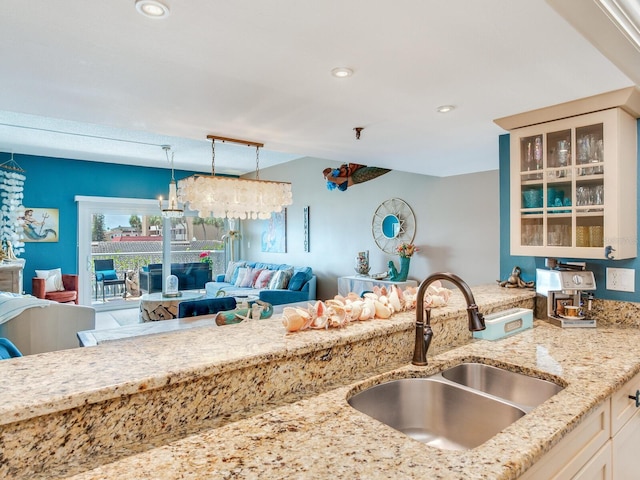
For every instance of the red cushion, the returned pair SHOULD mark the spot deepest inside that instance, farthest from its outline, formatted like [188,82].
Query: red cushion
[62,297]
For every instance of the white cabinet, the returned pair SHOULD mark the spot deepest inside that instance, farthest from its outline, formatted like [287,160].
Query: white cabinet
[604,446]
[573,187]
[598,467]
[576,450]
[625,431]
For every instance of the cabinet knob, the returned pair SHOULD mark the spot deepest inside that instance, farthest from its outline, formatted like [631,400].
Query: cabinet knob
[608,252]
[636,397]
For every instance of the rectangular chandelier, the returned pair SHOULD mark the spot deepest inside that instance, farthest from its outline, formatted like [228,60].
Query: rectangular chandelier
[227,197]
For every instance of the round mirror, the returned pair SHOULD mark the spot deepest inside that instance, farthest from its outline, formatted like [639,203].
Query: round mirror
[393,223]
[390,226]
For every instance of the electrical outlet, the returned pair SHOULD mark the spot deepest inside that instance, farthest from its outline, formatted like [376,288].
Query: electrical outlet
[621,279]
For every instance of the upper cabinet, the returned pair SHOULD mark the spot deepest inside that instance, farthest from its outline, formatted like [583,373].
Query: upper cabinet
[573,186]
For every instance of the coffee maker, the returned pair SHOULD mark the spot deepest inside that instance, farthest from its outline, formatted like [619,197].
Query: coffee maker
[568,289]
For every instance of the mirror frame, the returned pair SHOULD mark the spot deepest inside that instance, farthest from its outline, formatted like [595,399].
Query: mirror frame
[401,210]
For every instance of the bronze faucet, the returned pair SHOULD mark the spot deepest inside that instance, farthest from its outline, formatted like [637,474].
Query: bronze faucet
[423,330]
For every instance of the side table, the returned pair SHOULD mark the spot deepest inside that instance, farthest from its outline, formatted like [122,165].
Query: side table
[358,284]
[155,306]
[11,276]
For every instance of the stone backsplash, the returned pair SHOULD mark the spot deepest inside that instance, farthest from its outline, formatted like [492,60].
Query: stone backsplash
[606,312]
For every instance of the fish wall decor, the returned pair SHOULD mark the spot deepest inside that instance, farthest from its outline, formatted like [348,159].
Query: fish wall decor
[349,174]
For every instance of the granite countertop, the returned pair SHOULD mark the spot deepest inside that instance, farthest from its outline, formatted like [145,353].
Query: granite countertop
[318,434]
[68,378]
[309,438]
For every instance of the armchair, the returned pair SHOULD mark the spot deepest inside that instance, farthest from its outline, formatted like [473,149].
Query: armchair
[68,295]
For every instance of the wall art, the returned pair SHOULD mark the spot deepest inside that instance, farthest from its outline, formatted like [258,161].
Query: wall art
[306,229]
[274,234]
[40,224]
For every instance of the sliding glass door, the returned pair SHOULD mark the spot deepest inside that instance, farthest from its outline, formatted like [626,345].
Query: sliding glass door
[130,233]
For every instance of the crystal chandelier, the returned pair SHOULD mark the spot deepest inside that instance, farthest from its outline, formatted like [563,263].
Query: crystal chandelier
[173,210]
[233,197]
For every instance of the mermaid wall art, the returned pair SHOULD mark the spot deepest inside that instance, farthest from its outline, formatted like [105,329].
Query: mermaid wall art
[349,174]
[40,224]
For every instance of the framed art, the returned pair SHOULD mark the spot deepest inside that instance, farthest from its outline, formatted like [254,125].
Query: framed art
[40,224]
[274,234]
[306,229]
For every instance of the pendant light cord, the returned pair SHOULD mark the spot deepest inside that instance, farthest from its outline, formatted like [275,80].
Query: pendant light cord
[213,157]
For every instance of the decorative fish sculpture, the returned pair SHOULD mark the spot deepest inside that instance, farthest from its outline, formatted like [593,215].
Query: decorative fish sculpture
[350,174]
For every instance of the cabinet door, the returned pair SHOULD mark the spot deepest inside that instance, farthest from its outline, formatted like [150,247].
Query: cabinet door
[598,467]
[625,431]
[575,450]
[626,460]
[573,187]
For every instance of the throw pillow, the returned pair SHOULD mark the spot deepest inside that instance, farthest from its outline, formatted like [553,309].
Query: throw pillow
[297,281]
[281,279]
[247,280]
[53,279]
[231,270]
[242,272]
[256,274]
[106,275]
[263,279]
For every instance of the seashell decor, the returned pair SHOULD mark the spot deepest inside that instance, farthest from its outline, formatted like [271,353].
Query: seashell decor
[12,210]
[342,310]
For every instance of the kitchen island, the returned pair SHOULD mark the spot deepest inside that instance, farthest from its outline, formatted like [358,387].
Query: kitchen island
[290,420]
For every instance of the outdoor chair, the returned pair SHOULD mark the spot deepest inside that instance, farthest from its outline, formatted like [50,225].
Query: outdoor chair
[107,276]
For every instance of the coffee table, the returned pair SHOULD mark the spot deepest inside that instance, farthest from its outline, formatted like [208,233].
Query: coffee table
[157,306]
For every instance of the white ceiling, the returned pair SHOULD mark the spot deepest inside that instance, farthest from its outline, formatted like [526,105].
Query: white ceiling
[98,81]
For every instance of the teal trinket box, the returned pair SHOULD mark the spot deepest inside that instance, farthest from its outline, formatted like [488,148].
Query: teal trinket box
[507,322]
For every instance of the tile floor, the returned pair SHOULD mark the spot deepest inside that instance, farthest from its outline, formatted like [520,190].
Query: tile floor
[117,318]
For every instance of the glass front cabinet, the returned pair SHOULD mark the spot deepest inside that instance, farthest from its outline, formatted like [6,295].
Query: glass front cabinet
[573,187]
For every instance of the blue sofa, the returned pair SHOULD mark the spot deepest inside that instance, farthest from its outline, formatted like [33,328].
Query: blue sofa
[191,276]
[300,287]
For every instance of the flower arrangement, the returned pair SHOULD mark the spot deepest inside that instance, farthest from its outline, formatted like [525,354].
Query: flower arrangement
[406,250]
[205,258]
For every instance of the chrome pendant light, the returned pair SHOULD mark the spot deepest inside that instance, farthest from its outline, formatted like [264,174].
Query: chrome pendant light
[173,210]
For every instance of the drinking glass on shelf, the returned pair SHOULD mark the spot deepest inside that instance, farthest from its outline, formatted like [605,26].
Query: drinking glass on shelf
[599,194]
[564,151]
[583,149]
[595,236]
[581,196]
[582,236]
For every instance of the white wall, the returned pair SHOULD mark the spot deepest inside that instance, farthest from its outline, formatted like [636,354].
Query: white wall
[457,223]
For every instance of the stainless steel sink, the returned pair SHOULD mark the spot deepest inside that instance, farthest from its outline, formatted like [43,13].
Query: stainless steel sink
[457,409]
[526,391]
[437,413]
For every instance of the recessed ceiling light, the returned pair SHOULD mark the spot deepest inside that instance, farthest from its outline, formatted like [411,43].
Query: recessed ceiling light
[152,8]
[445,108]
[341,72]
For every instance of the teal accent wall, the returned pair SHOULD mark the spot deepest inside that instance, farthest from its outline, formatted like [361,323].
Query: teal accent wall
[529,264]
[54,183]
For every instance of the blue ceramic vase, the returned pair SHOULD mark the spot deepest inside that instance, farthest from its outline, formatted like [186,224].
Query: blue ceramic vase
[399,276]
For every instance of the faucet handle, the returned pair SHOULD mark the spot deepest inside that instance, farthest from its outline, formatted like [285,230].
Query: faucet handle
[476,319]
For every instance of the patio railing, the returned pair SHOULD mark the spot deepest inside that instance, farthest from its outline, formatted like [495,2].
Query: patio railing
[134,261]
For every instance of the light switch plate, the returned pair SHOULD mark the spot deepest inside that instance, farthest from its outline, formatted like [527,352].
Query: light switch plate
[621,279]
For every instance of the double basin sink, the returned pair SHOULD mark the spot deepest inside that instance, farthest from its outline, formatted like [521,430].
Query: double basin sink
[457,409]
